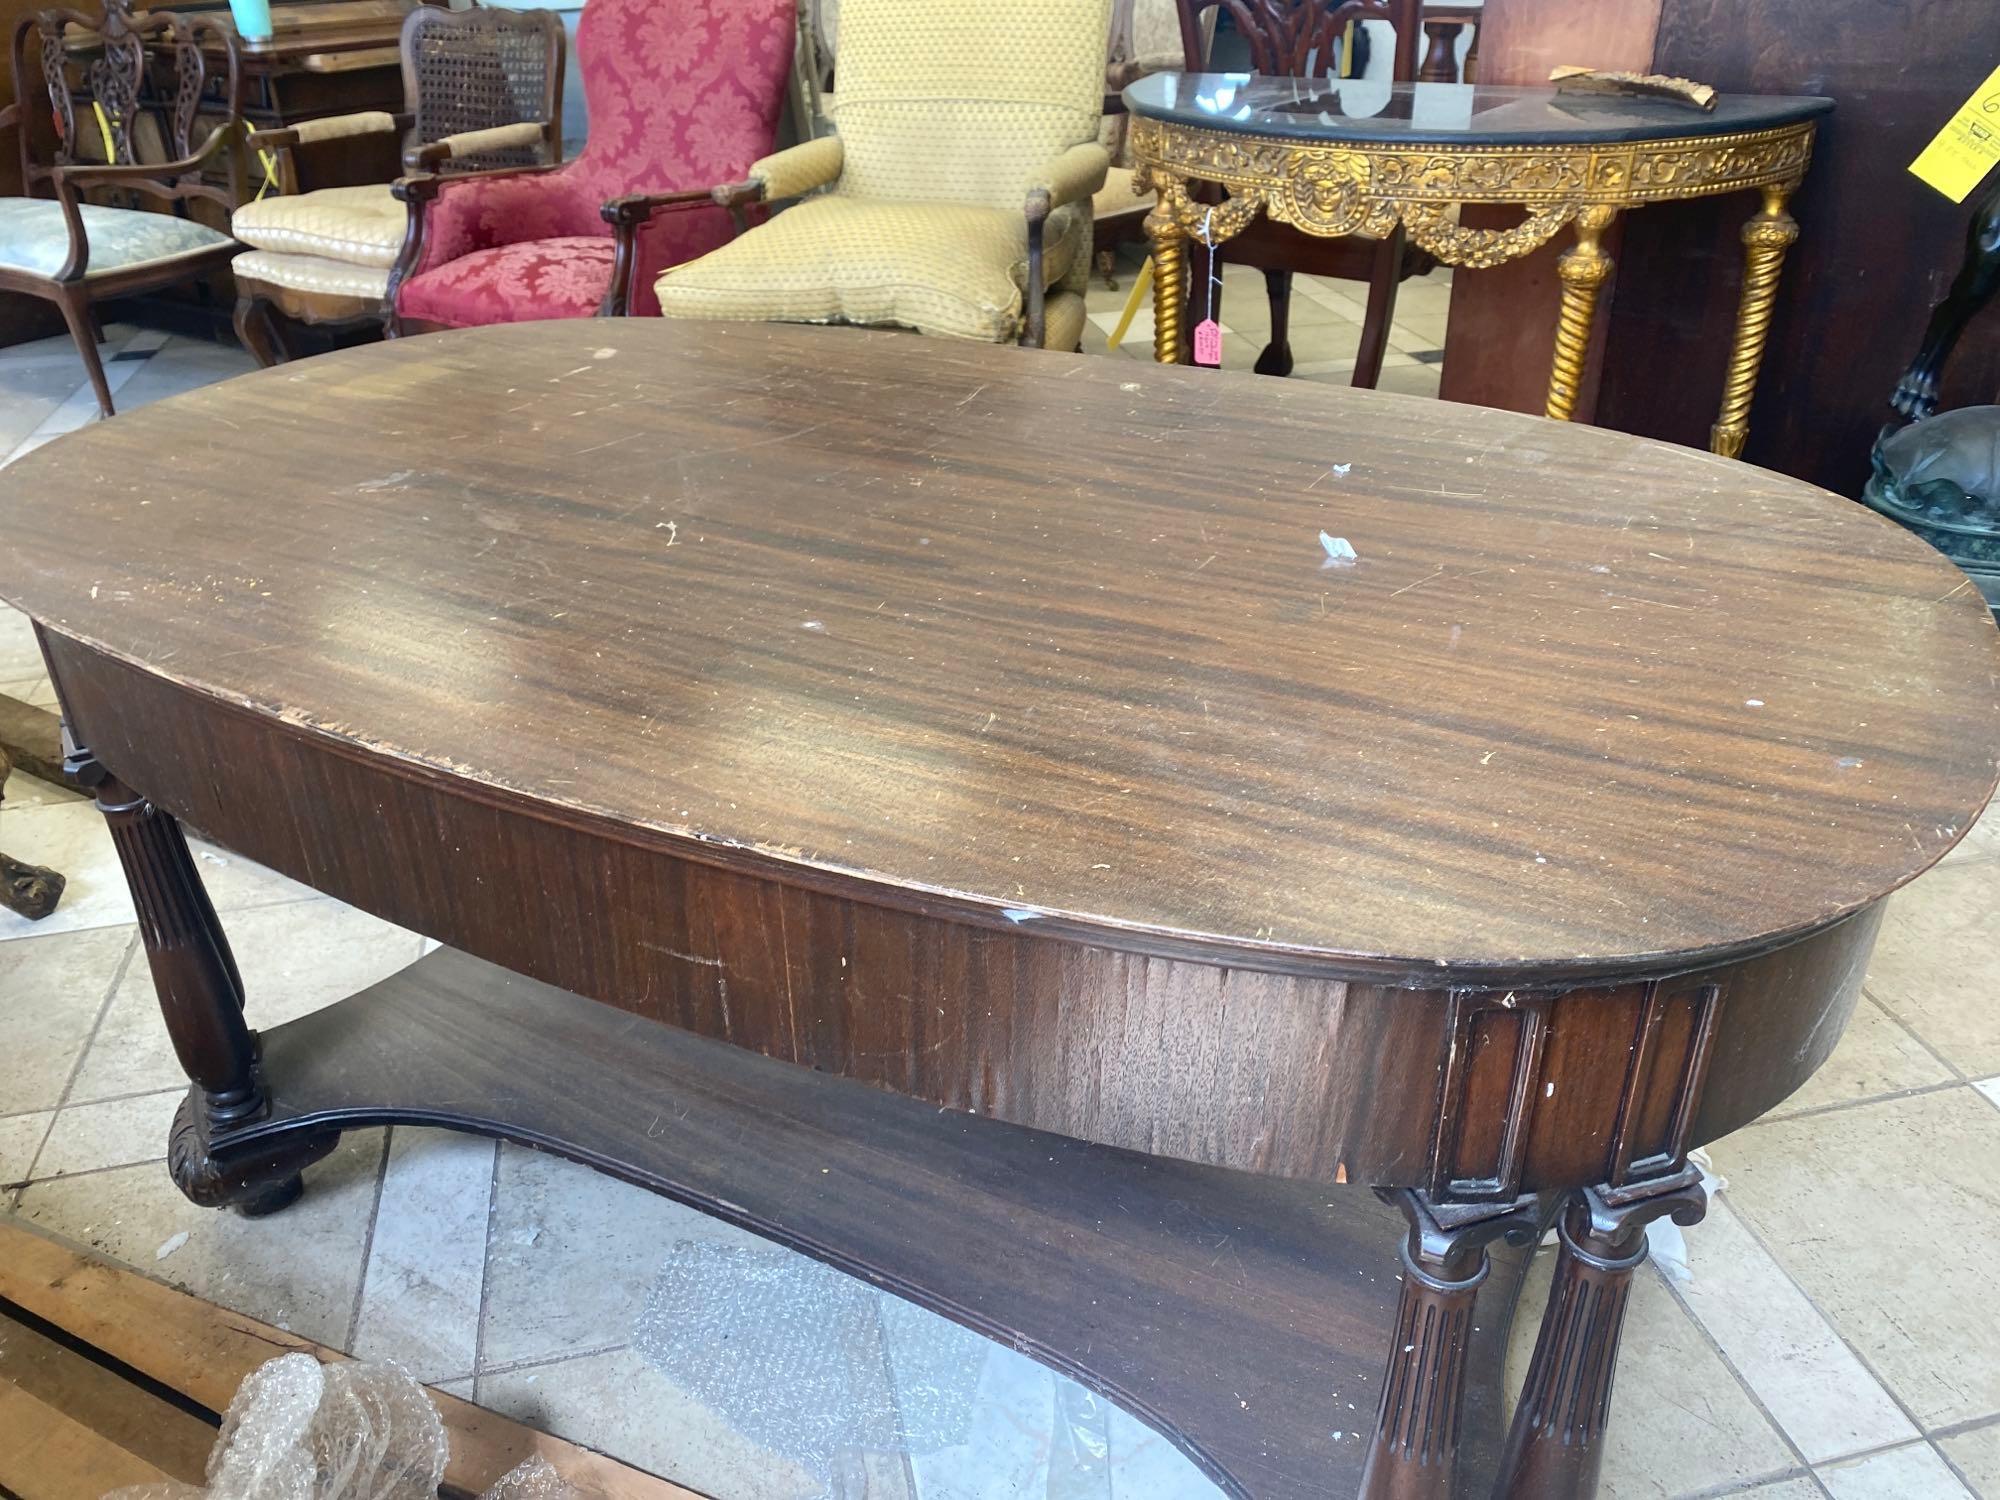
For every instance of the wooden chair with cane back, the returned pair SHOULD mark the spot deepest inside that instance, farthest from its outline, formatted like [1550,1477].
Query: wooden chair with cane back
[108,85]
[482,91]
[1300,39]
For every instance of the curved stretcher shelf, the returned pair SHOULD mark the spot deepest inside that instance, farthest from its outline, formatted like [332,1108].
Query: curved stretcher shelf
[1237,1314]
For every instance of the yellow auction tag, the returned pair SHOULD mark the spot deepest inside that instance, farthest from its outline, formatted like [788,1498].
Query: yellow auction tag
[1968,146]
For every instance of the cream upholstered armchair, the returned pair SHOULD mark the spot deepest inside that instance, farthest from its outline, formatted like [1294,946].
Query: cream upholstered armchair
[956,193]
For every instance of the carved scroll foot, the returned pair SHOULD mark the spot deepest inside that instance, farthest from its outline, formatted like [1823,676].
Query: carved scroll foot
[1414,1452]
[31,891]
[1556,1445]
[257,1181]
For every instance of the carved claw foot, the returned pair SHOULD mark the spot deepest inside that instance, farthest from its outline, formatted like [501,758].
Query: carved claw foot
[31,891]
[1916,394]
[255,1181]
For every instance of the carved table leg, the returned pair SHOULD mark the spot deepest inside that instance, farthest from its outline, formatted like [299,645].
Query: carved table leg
[1415,1448]
[1169,247]
[1765,240]
[1584,269]
[201,1000]
[1556,1444]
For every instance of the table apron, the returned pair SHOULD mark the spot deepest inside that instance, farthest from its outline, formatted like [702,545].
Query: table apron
[1346,188]
[1477,1094]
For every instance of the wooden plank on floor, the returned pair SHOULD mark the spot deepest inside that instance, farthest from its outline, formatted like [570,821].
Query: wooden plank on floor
[126,1413]
[204,1352]
[46,1455]
[32,740]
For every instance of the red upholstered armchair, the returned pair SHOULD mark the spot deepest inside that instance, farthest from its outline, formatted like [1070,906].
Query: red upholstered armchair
[680,96]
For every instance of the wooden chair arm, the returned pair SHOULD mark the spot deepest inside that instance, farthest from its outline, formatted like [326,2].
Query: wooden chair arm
[737,194]
[10,116]
[329,128]
[158,176]
[635,209]
[627,216]
[434,154]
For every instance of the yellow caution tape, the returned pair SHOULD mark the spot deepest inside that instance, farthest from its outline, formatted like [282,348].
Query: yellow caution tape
[104,128]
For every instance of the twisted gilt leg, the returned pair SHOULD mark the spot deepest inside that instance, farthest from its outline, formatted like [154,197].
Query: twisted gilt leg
[1584,269]
[1169,285]
[1765,240]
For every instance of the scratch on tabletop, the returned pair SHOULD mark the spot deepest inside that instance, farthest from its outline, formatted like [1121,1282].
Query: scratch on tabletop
[1418,584]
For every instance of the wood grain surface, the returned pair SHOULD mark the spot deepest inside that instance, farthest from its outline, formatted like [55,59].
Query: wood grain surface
[1051,642]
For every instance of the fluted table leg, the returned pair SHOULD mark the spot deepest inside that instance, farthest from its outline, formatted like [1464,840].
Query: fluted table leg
[1413,1454]
[1766,238]
[1556,1445]
[1584,269]
[201,1000]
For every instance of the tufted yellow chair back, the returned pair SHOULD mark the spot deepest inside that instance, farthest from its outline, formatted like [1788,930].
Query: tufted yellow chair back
[964,101]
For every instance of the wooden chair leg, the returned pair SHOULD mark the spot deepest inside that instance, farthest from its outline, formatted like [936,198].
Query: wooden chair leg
[76,313]
[1381,313]
[1204,292]
[1277,356]
[257,331]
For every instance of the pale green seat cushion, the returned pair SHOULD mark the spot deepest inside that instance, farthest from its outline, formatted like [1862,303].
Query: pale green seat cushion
[34,238]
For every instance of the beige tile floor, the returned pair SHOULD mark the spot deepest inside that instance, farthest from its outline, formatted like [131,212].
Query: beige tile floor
[1836,1332]
[1325,325]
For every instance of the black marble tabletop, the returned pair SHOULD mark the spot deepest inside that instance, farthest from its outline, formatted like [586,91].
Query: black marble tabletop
[1364,112]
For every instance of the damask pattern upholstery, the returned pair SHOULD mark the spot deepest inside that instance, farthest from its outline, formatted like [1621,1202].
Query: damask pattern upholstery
[34,237]
[362,226]
[681,97]
[948,114]
[564,276]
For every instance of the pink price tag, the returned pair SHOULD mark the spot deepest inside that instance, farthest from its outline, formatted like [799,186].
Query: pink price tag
[1208,342]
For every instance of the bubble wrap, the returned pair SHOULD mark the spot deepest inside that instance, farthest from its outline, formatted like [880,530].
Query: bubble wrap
[792,1354]
[300,1430]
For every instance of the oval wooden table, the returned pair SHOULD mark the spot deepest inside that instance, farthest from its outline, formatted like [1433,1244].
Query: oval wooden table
[998,728]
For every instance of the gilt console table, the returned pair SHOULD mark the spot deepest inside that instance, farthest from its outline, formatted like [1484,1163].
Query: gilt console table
[1345,156]
[1116,883]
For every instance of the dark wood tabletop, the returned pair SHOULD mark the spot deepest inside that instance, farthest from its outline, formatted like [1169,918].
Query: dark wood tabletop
[1012,732]
[1057,641]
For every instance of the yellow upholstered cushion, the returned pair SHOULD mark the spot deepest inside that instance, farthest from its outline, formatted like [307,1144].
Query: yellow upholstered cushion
[311,273]
[965,102]
[362,226]
[1062,321]
[941,268]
